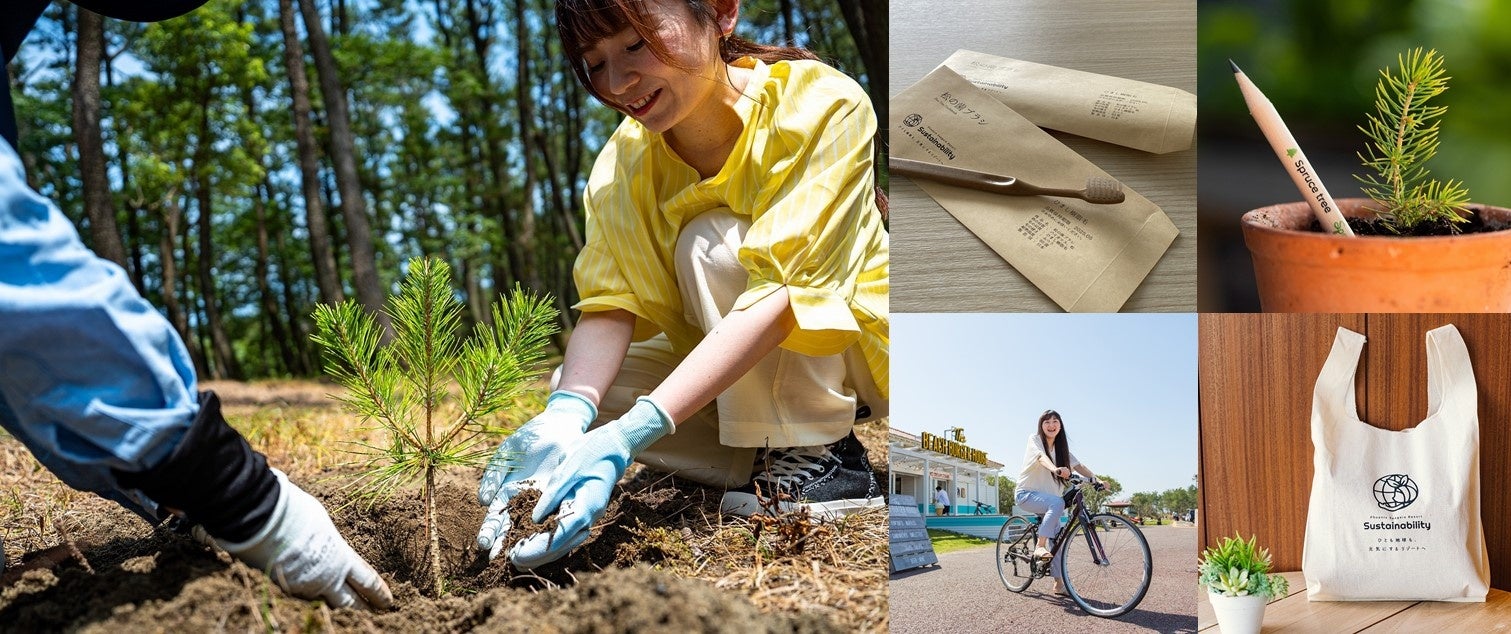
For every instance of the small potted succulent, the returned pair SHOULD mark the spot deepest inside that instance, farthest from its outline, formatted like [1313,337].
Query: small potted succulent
[1237,576]
[1420,245]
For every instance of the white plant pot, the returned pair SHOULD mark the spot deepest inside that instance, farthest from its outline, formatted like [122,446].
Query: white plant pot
[1238,615]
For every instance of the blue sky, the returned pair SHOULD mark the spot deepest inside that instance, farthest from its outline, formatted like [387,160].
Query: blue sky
[1125,385]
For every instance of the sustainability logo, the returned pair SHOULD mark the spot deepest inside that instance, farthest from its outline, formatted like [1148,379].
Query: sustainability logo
[1395,492]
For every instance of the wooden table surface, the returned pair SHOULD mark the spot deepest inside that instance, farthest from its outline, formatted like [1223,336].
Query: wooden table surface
[1293,613]
[938,265]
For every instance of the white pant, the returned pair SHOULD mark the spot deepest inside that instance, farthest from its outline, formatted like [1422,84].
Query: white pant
[787,400]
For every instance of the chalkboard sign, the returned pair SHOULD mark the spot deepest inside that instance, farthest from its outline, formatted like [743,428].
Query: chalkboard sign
[909,536]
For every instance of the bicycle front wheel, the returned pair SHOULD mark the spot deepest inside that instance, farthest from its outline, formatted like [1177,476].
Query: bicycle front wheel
[1107,566]
[1015,552]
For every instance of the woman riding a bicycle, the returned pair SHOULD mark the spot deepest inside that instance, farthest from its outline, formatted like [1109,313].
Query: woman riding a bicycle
[1041,484]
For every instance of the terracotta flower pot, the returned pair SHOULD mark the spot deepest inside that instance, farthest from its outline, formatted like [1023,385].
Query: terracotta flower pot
[1306,271]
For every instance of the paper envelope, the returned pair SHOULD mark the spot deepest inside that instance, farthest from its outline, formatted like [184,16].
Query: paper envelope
[1136,114]
[1085,257]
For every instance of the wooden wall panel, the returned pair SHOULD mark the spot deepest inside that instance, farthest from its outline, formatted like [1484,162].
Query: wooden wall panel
[1256,375]
[1255,379]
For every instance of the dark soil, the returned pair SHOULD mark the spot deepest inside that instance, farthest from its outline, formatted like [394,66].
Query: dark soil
[522,525]
[1374,227]
[148,580]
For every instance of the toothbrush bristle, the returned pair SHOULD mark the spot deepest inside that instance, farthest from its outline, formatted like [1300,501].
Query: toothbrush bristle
[1103,191]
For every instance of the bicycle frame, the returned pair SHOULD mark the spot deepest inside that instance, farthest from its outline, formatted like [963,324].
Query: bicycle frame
[1018,567]
[1082,516]
[1079,515]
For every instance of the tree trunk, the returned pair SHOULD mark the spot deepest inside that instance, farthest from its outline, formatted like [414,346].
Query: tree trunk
[788,36]
[104,236]
[225,358]
[134,255]
[134,247]
[261,192]
[326,277]
[508,264]
[305,365]
[265,288]
[434,531]
[186,298]
[359,237]
[573,150]
[176,315]
[524,235]
[171,217]
[866,20]
[562,209]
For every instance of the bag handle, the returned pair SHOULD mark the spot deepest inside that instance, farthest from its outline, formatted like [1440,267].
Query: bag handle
[1333,394]
[1450,378]
[1450,375]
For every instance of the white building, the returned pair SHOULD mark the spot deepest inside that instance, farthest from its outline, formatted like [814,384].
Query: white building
[918,462]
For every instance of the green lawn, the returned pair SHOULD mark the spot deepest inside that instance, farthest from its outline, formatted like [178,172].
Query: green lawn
[946,541]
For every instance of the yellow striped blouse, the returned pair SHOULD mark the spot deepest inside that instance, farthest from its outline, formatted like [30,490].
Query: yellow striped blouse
[800,170]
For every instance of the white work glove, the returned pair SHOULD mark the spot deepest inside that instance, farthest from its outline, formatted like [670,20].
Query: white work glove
[526,459]
[302,552]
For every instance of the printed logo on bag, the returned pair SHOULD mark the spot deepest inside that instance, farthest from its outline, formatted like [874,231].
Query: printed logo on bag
[912,120]
[1395,492]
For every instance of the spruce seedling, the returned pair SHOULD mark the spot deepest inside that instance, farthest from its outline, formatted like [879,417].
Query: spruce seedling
[405,386]
[1403,136]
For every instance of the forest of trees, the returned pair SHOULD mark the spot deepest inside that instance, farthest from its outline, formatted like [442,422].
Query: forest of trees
[256,157]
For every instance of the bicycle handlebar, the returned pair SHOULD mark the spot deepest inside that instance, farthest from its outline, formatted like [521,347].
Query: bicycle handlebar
[1077,480]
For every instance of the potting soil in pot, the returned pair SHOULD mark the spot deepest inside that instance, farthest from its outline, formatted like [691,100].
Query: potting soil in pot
[1373,227]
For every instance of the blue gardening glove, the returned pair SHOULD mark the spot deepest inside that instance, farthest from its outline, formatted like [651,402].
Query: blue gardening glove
[527,457]
[581,484]
[300,549]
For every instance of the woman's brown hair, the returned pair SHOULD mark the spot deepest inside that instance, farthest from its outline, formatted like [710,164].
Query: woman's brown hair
[582,23]
[1062,443]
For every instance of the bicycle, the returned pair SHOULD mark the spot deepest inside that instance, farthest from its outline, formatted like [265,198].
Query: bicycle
[1107,578]
[982,509]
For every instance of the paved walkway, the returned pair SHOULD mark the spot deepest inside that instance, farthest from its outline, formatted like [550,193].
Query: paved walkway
[964,594]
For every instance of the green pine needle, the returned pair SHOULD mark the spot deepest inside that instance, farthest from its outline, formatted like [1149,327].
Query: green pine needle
[405,388]
[1403,136]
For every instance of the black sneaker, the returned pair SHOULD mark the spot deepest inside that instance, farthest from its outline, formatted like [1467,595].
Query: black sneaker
[828,480]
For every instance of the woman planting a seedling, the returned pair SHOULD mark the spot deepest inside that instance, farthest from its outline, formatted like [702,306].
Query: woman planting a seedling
[1041,484]
[734,281]
[98,385]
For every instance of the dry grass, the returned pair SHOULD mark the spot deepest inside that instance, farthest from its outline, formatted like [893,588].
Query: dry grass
[788,563]
[38,512]
[791,563]
[840,570]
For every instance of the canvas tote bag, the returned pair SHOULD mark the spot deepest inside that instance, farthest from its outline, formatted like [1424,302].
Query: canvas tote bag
[1395,515]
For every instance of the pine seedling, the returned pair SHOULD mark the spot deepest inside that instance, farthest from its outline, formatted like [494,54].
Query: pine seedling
[1403,136]
[405,387]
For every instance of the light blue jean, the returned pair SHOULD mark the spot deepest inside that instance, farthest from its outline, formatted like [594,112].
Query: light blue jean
[92,378]
[1052,506]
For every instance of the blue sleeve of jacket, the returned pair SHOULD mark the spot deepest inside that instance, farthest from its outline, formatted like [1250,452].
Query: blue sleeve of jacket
[92,378]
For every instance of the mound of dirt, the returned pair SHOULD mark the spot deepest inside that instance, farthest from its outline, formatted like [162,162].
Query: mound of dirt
[391,535]
[146,581]
[200,593]
[195,589]
[712,572]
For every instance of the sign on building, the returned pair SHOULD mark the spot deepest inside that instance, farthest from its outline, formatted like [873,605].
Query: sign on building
[951,448]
